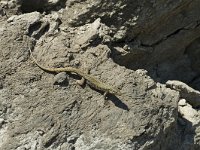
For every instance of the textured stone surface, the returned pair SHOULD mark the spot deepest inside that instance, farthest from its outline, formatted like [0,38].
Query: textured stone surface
[192,96]
[134,46]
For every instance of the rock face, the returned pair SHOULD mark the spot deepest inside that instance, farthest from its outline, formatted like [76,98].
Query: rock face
[135,46]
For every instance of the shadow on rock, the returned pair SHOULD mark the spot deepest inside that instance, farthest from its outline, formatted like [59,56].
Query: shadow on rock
[118,103]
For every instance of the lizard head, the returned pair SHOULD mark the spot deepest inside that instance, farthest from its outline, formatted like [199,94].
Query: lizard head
[115,91]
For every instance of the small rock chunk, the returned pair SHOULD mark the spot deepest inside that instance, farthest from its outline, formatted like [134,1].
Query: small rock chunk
[60,78]
[182,102]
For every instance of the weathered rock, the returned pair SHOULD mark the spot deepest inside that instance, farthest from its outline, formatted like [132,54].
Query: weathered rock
[9,8]
[189,113]
[148,37]
[182,102]
[91,33]
[48,114]
[192,96]
[151,35]
[60,78]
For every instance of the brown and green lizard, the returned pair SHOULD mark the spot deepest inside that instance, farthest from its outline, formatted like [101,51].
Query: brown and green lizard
[90,80]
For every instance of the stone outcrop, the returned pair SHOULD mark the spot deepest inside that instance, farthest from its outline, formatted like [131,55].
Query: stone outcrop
[135,46]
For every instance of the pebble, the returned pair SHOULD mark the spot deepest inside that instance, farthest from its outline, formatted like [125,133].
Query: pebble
[182,102]
[60,78]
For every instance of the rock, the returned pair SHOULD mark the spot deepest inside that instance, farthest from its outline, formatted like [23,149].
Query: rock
[189,113]
[30,18]
[9,8]
[132,47]
[182,102]
[60,78]
[192,96]
[89,34]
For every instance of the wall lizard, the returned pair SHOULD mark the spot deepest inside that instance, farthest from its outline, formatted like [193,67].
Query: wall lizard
[90,80]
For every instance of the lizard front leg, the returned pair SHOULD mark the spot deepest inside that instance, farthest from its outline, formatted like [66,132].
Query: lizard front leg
[82,81]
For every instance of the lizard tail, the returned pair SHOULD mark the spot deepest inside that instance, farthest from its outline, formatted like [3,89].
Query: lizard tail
[40,66]
[54,70]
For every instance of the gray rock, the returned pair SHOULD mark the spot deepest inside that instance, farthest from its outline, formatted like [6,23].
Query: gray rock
[151,37]
[182,102]
[60,78]
[189,113]
[89,34]
[192,96]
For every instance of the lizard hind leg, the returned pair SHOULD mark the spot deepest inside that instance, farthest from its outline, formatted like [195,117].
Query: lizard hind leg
[104,95]
[106,102]
[81,82]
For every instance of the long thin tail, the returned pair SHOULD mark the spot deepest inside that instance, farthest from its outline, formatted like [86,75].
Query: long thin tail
[55,70]
[40,66]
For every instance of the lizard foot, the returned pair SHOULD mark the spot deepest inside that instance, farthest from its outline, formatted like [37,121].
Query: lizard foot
[104,95]
[82,81]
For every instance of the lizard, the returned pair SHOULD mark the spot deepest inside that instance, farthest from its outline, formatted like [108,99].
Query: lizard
[90,80]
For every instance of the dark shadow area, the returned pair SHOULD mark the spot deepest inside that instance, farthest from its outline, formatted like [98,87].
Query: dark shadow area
[186,134]
[33,5]
[114,21]
[51,140]
[184,67]
[64,83]
[118,103]
[41,6]
[38,29]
